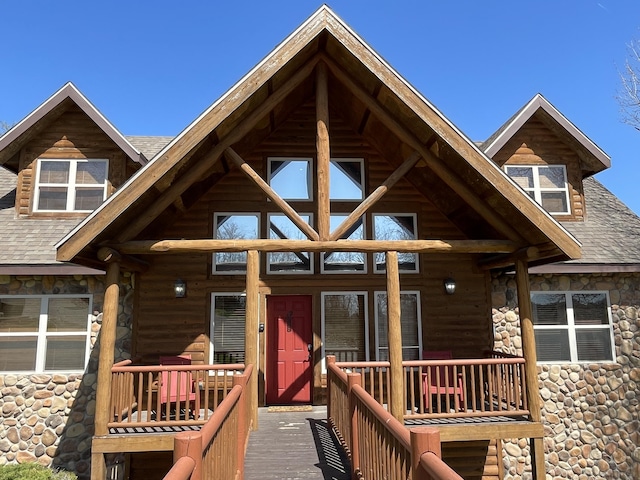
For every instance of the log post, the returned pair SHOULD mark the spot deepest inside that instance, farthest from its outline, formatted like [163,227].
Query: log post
[331,359]
[530,361]
[105,362]
[323,151]
[394,333]
[189,444]
[352,380]
[423,439]
[251,333]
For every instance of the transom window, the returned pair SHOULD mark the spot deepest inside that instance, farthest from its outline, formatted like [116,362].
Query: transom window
[410,325]
[398,226]
[44,333]
[546,184]
[573,327]
[234,226]
[344,326]
[282,228]
[73,185]
[228,313]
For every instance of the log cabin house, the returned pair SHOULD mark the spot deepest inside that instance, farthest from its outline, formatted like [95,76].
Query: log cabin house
[322,206]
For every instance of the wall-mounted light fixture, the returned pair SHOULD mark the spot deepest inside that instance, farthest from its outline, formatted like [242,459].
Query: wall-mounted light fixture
[180,288]
[450,286]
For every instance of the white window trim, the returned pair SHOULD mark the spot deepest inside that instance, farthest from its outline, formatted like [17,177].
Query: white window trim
[71,185]
[212,317]
[362,187]
[376,294]
[310,176]
[373,234]
[41,335]
[571,327]
[215,228]
[537,190]
[347,272]
[293,272]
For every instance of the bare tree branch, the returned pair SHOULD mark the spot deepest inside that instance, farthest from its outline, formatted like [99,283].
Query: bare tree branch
[628,95]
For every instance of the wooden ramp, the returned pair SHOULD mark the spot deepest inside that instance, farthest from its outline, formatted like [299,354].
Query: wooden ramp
[294,445]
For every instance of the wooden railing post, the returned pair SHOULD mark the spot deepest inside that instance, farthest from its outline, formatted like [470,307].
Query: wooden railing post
[189,444]
[352,380]
[423,439]
[330,359]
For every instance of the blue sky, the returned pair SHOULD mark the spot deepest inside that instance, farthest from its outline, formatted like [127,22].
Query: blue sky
[153,67]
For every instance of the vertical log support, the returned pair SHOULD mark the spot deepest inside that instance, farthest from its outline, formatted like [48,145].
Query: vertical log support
[423,439]
[251,334]
[394,333]
[189,444]
[105,362]
[530,357]
[323,151]
[352,380]
[331,359]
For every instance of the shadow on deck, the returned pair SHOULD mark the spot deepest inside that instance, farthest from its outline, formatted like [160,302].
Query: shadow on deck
[295,445]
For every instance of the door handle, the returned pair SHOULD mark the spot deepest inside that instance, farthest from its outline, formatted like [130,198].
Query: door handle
[310,350]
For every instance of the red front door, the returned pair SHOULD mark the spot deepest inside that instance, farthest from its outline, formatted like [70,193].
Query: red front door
[289,365]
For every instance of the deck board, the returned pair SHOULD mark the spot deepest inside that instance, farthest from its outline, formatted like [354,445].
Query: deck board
[294,446]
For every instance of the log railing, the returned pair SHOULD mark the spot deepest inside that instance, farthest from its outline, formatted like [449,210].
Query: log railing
[380,446]
[451,388]
[167,395]
[217,451]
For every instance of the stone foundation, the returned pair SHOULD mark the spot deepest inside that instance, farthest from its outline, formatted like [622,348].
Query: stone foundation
[590,411]
[48,418]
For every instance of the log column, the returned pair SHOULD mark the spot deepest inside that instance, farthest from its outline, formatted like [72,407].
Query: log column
[105,362]
[251,334]
[394,335]
[530,358]
[323,151]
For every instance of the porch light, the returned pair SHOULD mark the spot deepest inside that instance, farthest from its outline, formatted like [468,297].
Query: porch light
[180,288]
[450,286]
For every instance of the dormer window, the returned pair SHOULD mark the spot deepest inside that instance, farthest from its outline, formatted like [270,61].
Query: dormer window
[546,184]
[70,185]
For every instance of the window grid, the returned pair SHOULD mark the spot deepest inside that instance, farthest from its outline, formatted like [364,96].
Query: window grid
[417,346]
[572,329]
[71,185]
[537,191]
[42,335]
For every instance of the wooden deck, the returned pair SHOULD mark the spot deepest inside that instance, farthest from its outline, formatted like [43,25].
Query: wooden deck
[295,445]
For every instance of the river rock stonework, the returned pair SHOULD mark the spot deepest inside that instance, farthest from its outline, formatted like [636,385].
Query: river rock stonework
[48,417]
[590,411]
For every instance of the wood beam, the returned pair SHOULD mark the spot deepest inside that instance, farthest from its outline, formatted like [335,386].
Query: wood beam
[323,152]
[198,170]
[376,195]
[506,260]
[127,262]
[274,245]
[273,196]
[394,337]
[433,162]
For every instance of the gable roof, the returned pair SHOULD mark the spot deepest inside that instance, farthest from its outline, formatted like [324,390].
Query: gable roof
[369,92]
[14,139]
[592,157]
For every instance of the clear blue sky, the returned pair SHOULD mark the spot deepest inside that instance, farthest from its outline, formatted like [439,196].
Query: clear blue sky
[153,67]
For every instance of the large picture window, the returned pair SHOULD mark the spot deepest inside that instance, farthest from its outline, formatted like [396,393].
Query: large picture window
[409,323]
[399,226]
[282,228]
[546,184]
[44,333]
[573,327]
[344,326]
[228,314]
[73,185]
[233,226]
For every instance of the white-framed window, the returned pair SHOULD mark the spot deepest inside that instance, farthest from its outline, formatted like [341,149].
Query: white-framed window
[573,327]
[546,184]
[345,262]
[234,226]
[282,228]
[346,179]
[45,333]
[395,226]
[410,325]
[228,316]
[344,326]
[291,178]
[70,185]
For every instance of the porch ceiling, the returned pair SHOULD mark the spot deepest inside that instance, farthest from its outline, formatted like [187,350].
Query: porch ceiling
[374,100]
